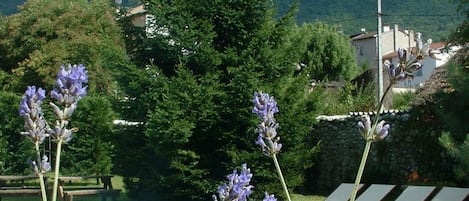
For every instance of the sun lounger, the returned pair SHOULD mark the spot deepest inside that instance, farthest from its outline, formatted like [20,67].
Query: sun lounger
[416,193]
[452,193]
[375,192]
[342,193]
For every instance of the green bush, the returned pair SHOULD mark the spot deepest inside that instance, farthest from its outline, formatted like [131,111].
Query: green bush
[401,101]
[90,152]
[15,148]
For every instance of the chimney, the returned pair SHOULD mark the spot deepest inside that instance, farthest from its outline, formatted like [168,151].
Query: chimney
[411,39]
[386,28]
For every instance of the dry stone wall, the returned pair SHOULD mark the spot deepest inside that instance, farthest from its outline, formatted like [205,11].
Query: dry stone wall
[410,154]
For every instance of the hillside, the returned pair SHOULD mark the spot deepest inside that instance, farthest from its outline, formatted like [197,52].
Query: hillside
[8,7]
[433,18]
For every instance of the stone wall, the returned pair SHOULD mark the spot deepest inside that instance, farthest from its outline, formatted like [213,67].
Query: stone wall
[411,149]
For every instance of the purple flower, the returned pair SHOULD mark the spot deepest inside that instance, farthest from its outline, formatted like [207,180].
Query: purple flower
[31,101]
[237,188]
[269,197]
[408,66]
[30,110]
[379,132]
[45,165]
[364,126]
[62,132]
[33,166]
[264,105]
[69,89]
[265,108]
[69,84]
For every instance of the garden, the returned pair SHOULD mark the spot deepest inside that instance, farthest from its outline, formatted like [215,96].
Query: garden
[224,101]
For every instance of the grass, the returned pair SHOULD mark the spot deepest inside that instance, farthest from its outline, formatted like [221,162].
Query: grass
[118,183]
[299,197]
[123,197]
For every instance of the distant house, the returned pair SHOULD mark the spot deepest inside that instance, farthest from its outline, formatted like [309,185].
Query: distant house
[429,65]
[138,16]
[365,44]
[392,39]
[141,18]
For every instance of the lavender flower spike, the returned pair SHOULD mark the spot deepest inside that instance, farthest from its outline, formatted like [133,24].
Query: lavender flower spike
[364,126]
[43,168]
[265,107]
[69,89]
[269,197]
[69,84]
[237,188]
[30,110]
[379,133]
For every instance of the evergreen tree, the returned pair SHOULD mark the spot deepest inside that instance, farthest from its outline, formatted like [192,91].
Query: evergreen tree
[454,105]
[91,150]
[195,89]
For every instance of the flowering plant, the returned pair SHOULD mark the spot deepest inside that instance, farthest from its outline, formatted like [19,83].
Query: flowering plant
[238,187]
[408,64]
[69,89]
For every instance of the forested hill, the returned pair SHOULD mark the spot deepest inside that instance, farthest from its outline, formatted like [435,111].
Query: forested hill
[8,7]
[434,18]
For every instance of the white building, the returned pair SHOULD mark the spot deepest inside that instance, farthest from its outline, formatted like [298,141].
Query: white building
[365,45]
[428,66]
[141,18]
[391,39]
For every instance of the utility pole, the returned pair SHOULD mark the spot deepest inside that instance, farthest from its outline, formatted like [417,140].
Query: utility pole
[380,55]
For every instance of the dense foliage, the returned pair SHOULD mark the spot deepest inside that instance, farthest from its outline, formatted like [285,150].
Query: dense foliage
[91,150]
[15,149]
[33,45]
[185,90]
[454,111]
[44,35]
[326,52]
[454,108]
[194,88]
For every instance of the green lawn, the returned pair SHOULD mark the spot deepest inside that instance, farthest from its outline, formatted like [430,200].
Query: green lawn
[298,197]
[118,183]
[123,197]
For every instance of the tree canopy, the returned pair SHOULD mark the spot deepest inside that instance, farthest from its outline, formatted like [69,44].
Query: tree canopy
[195,85]
[45,35]
[34,43]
